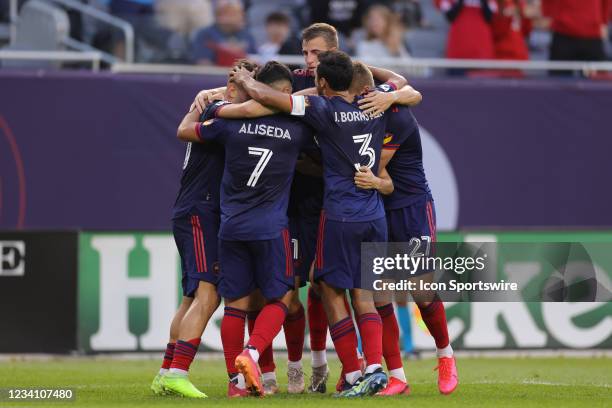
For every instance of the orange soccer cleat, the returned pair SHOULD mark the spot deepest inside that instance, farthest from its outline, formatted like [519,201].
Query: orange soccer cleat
[395,387]
[249,369]
[447,375]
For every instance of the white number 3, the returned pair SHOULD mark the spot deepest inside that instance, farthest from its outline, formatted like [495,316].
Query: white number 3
[365,149]
[265,155]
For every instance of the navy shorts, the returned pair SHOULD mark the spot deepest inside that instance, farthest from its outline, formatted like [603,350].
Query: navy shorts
[266,265]
[303,238]
[196,241]
[338,258]
[414,221]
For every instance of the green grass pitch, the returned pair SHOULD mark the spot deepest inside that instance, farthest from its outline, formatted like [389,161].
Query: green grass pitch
[484,382]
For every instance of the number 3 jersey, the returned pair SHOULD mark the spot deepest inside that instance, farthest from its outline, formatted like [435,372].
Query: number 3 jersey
[348,138]
[260,158]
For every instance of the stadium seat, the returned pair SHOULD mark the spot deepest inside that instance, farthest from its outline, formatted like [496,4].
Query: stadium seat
[41,27]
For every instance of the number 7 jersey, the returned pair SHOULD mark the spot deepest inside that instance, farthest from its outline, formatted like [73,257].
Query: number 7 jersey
[260,158]
[348,139]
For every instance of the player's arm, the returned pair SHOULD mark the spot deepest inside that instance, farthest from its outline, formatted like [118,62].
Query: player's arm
[248,109]
[377,102]
[206,96]
[367,180]
[262,93]
[188,129]
[387,76]
[385,157]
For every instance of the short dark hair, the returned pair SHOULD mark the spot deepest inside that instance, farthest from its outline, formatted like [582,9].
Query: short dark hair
[362,77]
[336,68]
[277,17]
[273,72]
[323,30]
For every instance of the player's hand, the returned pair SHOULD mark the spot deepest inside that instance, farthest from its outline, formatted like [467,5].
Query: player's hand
[376,102]
[203,99]
[239,75]
[366,180]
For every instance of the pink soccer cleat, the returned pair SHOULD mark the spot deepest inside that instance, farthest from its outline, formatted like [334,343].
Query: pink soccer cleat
[447,375]
[234,392]
[395,387]
[248,367]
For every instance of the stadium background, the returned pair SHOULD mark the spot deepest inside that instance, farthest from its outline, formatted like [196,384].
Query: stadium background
[89,169]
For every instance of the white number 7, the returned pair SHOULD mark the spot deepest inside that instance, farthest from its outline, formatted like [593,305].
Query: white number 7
[365,149]
[261,164]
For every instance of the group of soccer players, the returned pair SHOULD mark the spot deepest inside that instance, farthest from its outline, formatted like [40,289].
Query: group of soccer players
[285,175]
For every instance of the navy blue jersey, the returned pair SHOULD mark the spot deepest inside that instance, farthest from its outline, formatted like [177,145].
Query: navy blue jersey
[348,139]
[306,190]
[406,165]
[260,160]
[302,79]
[201,178]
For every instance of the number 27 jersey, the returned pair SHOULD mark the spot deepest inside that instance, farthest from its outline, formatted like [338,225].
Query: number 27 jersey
[348,139]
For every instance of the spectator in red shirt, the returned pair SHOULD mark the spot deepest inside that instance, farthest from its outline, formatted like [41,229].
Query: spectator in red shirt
[510,30]
[470,35]
[579,28]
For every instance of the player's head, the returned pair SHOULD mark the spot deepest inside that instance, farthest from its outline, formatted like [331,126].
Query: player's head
[363,81]
[318,38]
[334,72]
[276,75]
[234,93]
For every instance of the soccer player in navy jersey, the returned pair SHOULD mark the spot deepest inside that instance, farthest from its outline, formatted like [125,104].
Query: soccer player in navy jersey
[254,245]
[350,141]
[195,224]
[304,210]
[307,199]
[410,216]
[253,109]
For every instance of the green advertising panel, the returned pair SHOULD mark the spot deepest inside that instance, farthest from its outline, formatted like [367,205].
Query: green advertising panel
[129,288]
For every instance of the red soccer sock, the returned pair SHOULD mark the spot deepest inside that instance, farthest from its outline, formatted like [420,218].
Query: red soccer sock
[232,336]
[434,317]
[295,327]
[168,355]
[184,353]
[345,342]
[266,359]
[370,328]
[317,321]
[267,325]
[390,337]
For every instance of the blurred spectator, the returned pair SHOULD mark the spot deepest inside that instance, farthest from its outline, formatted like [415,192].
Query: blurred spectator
[511,29]
[279,38]
[153,42]
[227,39]
[384,34]
[579,28]
[184,16]
[345,15]
[470,35]
[410,12]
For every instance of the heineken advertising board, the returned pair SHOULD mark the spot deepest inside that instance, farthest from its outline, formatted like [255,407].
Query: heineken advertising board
[129,288]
